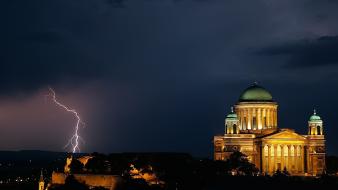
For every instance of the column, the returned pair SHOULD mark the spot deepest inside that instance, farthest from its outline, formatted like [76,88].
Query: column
[269,159]
[282,156]
[256,116]
[242,119]
[252,111]
[263,116]
[276,117]
[296,158]
[259,116]
[267,118]
[249,119]
[302,158]
[273,118]
[286,156]
[289,159]
[275,160]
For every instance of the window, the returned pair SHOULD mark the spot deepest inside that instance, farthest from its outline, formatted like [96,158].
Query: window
[254,123]
[318,130]
[244,123]
[234,129]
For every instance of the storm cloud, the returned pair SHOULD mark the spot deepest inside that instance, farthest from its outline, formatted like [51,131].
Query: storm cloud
[160,75]
[306,53]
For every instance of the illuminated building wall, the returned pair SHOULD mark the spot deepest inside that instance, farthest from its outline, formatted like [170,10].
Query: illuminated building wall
[92,180]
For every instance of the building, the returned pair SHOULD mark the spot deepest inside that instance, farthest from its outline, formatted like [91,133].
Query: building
[110,182]
[41,182]
[252,128]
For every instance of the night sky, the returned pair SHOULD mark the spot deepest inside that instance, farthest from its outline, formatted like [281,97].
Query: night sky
[160,75]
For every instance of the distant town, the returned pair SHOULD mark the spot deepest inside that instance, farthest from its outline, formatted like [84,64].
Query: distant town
[33,170]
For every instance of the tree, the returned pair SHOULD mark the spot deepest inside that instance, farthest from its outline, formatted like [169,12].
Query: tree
[71,184]
[285,172]
[239,162]
[76,166]
[98,164]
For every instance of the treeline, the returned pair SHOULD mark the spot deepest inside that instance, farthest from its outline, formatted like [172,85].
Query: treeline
[181,171]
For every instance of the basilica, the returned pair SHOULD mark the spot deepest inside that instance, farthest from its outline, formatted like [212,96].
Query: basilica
[252,128]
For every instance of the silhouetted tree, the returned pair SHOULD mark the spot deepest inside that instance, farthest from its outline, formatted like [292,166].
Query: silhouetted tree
[98,164]
[285,172]
[76,166]
[99,188]
[239,162]
[71,184]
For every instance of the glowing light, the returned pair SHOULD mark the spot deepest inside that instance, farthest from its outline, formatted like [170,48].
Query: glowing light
[74,140]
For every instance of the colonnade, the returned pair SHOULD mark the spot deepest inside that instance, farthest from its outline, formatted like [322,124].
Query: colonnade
[257,118]
[281,156]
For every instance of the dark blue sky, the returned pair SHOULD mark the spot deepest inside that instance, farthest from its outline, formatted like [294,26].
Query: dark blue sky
[160,75]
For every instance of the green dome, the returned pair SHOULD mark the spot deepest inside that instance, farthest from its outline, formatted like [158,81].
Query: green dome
[255,93]
[315,117]
[232,115]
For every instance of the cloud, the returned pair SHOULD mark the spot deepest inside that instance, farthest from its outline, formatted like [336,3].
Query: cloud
[306,53]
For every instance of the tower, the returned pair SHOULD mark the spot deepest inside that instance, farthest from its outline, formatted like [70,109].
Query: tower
[41,182]
[316,145]
[315,124]
[231,123]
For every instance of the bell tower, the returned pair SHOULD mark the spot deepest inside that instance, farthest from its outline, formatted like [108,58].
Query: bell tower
[41,182]
[315,124]
[231,123]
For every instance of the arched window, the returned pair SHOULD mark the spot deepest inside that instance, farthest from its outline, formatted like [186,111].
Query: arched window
[234,129]
[226,129]
[318,130]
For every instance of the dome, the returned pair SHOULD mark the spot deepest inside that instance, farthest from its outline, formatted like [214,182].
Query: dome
[255,93]
[315,117]
[232,115]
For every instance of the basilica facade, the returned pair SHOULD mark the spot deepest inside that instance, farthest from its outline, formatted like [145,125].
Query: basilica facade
[252,128]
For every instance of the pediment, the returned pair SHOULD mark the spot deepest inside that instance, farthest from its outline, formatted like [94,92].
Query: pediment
[287,135]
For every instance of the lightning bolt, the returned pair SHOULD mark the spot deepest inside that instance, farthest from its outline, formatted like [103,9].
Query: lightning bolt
[74,140]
